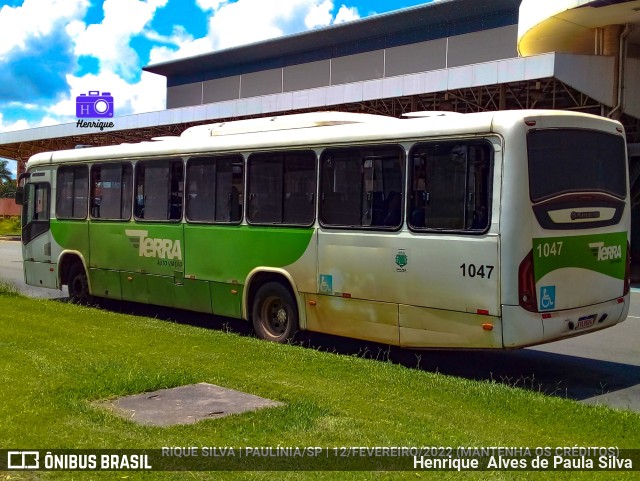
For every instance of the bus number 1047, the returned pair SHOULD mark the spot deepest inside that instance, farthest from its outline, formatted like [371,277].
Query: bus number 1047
[549,249]
[472,270]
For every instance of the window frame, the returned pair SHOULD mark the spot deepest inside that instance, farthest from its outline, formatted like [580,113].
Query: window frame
[131,196]
[402,151]
[156,161]
[35,227]
[490,184]
[241,159]
[75,167]
[283,154]
[532,177]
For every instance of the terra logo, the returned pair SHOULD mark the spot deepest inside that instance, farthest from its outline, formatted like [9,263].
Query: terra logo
[152,247]
[605,253]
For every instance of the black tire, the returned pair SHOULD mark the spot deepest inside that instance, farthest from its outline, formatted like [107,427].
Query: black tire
[79,285]
[275,313]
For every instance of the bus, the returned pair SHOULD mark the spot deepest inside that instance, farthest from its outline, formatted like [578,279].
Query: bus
[491,230]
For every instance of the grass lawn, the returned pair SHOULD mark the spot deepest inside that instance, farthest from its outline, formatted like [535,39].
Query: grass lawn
[10,226]
[55,358]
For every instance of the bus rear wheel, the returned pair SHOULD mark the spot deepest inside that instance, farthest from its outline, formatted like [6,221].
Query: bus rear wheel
[79,285]
[275,313]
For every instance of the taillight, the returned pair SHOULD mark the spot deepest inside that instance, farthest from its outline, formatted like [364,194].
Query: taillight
[527,284]
[627,271]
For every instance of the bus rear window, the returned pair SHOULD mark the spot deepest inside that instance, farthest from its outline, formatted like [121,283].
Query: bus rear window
[572,160]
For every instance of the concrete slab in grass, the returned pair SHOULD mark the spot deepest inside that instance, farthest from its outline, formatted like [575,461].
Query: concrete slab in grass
[186,404]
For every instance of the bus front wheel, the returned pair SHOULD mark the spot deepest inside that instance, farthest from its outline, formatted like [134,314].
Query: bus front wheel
[79,285]
[275,313]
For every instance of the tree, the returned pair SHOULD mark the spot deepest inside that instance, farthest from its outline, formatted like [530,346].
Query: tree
[8,189]
[7,183]
[5,174]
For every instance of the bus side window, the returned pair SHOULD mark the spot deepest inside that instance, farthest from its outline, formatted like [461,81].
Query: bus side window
[37,203]
[159,190]
[35,211]
[72,192]
[138,209]
[281,188]
[111,191]
[450,186]
[362,187]
[214,189]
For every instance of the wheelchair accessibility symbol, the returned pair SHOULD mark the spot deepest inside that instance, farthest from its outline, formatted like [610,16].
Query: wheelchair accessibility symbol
[547,298]
[326,284]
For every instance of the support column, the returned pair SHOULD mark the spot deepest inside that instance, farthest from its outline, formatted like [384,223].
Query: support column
[611,47]
[502,99]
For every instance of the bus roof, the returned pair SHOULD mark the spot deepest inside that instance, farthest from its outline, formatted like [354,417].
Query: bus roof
[284,122]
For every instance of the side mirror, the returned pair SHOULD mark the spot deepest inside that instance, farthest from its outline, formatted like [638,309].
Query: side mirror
[19,195]
[20,187]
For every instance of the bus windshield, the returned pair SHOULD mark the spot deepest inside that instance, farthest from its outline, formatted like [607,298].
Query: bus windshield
[574,160]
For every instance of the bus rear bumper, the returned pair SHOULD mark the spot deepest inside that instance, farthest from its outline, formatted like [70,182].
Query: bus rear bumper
[522,328]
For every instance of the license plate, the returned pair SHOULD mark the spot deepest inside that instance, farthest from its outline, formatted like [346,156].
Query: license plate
[585,322]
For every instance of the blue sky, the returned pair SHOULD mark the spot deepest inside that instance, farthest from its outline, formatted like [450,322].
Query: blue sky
[53,50]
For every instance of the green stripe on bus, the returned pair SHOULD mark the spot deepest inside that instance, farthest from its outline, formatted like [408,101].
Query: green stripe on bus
[205,252]
[225,253]
[602,253]
[71,235]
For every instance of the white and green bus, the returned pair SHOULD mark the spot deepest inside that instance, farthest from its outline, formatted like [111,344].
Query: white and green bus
[488,230]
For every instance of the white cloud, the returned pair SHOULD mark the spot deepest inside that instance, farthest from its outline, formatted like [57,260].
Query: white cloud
[11,126]
[210,4]
[319,15]
[188,48]
[346,14]
[247,21]
[241,22]
[187,45]
[24,124]
[35,18]
[234,23]
[109,41]
[149,95]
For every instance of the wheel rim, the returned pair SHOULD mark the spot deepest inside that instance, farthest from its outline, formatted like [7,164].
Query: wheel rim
[79,288]
[275,316]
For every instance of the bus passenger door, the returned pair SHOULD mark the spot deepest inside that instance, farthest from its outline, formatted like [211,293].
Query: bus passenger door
[361,207]
[156,240]
[39,265]
[353,297]
[449,295]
